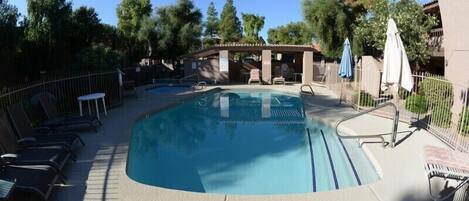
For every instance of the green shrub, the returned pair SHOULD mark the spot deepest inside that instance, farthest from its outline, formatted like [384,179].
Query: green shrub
[416,104]
[403,93]
[437,90]
[463,123]
[441,116]
[99,57]
[366,99]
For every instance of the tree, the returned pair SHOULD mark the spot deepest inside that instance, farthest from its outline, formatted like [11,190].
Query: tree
[253,24]
[412,22]
[146,33]
[86,27]
[294,33]
[8,19]
[331,22]
[130,14]
[179,29]
[9,37]
[48,28]
[230,26]
[211,26]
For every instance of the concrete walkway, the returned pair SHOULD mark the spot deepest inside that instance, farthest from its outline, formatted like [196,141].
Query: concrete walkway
[99,173]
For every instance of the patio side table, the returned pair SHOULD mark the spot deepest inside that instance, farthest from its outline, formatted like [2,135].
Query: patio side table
[90,97]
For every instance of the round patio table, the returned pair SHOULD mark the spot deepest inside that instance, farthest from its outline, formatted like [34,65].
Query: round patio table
[90,97]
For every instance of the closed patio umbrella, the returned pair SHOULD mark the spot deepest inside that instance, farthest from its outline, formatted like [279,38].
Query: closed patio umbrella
[396,68]
[345,70]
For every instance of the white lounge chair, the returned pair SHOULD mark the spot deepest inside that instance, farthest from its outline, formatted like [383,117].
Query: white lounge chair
[254,76]
[447,164]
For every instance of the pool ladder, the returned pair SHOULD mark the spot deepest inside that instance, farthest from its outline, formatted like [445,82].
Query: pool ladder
[311,91]
[380,136]
[199,85]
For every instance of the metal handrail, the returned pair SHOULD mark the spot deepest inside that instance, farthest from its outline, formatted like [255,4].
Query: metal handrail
[189,76]
[310,88]
[200,84]
[394,128]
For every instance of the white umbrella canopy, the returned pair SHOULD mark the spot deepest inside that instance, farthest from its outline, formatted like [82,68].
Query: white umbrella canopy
[396,68]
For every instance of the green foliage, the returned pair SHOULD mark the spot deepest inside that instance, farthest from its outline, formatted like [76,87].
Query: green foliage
[99,57]
[437,90]
[179,28]
[86,27]
[230,27]
[294,33]
[331,22]
[211,26]
[411,21]
[8,32]
[130,14]
[253,24]
[416,104]
[9,38]
[48,20]
[48,28]
[441,116]
[463,123]
[403,93]
[8,14]
[366,99]
[146,33]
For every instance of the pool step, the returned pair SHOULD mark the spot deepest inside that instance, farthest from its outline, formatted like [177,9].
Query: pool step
[331,163]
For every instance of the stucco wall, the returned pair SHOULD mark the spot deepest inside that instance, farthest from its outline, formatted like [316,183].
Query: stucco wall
[455,20]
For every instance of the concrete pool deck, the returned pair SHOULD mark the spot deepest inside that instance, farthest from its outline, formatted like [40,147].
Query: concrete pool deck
[100,171]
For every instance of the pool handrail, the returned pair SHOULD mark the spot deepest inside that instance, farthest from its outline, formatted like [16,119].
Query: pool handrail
[189,76]
[394,127]
[310,88]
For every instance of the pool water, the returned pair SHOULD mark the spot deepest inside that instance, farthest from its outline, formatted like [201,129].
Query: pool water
[169,89]
[245,142]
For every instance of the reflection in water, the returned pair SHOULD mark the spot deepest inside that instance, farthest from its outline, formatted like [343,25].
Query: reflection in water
[211,144]
[225,106]
[266,105]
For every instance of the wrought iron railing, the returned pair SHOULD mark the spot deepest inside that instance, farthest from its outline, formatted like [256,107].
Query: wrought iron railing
[66,90]
[434,103]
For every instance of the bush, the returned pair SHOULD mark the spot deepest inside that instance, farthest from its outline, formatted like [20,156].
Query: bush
[99,57]
[403,93]
[437,90]
[416,104]
[366,99]
[441,116]
[463,123]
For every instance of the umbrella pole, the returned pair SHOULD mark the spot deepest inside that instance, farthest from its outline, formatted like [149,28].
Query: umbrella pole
[341,89]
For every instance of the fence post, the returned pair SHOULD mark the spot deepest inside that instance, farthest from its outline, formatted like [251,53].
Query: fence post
[89,82]
[9,96]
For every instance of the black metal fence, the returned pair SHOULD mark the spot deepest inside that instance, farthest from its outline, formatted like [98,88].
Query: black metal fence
[65,90]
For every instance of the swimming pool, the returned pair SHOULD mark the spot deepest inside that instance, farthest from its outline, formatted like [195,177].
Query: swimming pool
[245,142]
[169,89]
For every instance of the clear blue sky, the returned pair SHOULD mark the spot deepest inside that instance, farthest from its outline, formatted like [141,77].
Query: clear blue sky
[276,12]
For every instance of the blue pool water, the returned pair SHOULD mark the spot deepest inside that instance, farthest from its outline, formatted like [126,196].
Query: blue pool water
[169,89]
[243,142]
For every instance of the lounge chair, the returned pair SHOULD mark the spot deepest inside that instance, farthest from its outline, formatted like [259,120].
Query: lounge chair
[28,136]
[447,164]
[279,79]
[55,120]
[254,76]
[38,180]
[13,154]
